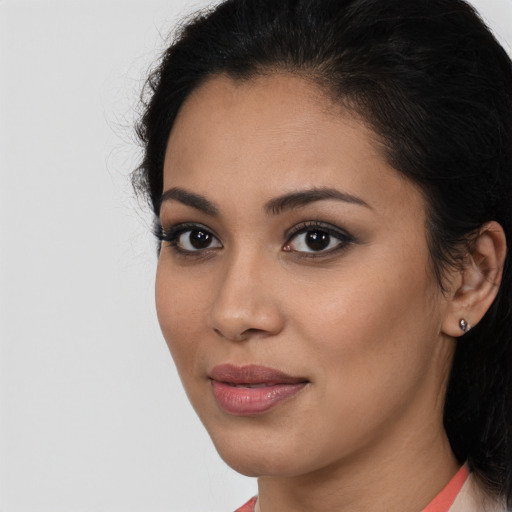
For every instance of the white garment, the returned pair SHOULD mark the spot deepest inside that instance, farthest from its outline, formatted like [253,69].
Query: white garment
[472,498]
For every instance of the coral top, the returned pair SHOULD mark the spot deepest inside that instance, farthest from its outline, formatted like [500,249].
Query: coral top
[249,506]
[441,503]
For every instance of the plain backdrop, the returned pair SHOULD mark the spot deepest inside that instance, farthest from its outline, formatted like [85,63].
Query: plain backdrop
[92,415]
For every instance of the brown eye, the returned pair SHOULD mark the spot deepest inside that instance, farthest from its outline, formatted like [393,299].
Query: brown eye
[199,239]
[196,240]
[317,240]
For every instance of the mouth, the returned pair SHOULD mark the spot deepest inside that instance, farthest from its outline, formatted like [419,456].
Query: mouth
[251,389]
[253,386]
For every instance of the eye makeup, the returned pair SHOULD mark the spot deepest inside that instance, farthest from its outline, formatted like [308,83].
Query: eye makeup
[188,239]
[308,239]
[316,239]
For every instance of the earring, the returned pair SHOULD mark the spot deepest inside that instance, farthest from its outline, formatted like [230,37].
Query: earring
[464,326]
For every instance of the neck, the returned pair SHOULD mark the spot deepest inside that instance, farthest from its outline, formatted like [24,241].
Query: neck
[402,477]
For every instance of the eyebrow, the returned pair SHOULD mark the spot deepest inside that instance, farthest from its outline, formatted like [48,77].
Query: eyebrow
[275,206]
[304,197]
[190,199]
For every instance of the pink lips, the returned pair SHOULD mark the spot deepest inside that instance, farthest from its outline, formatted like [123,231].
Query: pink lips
[252,389]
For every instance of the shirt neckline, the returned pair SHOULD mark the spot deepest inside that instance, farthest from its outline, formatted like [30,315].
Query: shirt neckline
[444,500]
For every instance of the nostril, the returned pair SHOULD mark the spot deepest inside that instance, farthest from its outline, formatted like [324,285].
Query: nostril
[231,336]
[248,333]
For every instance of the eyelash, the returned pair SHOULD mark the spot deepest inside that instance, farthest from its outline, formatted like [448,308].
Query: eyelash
[344,238]
[172,235]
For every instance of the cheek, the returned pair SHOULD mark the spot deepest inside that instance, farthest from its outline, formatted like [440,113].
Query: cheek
[365,300]
[181,312]
[370,329]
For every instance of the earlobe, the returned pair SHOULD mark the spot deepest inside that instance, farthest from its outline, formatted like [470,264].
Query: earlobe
[464,325]
[478,282]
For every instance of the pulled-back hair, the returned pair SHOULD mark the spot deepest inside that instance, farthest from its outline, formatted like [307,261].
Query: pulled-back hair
[435,86]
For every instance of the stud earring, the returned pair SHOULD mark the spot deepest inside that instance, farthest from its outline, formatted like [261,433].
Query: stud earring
[464,326]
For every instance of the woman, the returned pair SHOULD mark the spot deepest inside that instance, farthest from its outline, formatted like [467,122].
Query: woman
[331,182]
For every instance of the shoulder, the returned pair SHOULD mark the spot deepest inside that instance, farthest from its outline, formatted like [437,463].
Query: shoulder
[473,498]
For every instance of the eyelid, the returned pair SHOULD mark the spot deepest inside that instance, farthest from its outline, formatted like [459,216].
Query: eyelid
[342,235]
[310,225]
[180,227]
[171,235]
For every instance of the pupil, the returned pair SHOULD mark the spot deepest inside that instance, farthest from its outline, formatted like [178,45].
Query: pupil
[200,239]
[317,240]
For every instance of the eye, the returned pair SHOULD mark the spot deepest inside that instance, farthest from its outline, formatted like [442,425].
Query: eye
[196,240]
[317,239]
[186,238]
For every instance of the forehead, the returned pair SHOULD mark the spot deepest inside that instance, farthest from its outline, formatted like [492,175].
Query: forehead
[271,135]
[278,110]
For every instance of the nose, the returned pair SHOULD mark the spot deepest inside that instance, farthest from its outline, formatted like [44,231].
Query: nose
[246,302]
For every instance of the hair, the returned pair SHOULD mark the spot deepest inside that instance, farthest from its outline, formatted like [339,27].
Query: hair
[436,87]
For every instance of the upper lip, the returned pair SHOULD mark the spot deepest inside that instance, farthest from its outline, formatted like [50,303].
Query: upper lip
[252,374]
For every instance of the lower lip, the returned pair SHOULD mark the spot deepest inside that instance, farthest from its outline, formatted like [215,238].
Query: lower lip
[246,401]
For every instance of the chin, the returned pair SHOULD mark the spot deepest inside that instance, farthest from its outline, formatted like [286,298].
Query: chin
[246,454]
[263,465]
[269,456]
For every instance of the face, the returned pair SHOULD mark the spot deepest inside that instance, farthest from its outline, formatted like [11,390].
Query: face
[294,286]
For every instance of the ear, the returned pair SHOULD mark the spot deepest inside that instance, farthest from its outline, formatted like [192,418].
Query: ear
[476,284]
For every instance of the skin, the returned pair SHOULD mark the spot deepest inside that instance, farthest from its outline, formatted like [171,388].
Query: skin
[362,321]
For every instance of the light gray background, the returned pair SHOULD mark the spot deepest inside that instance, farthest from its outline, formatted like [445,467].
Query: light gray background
[92,415]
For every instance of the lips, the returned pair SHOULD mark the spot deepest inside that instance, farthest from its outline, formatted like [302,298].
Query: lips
[251,389]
